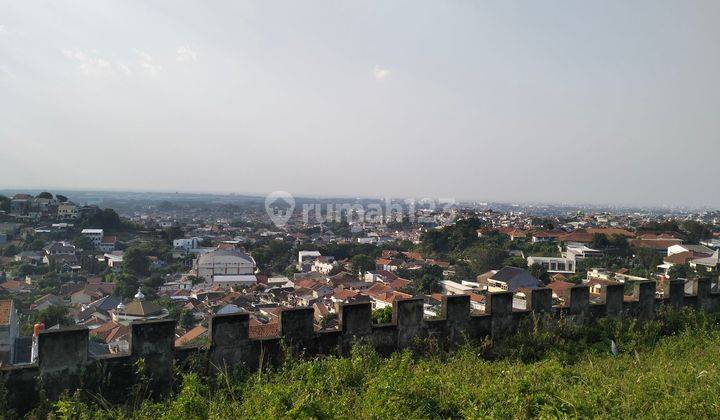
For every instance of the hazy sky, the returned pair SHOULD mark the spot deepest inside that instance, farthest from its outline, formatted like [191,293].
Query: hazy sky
[604,101]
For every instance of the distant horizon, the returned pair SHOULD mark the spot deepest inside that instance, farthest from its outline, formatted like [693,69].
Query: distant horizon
[303,196]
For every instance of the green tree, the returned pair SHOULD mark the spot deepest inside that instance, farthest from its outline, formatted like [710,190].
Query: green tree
[382,316]
[515,261]
[173,233]
[11,251]
[126,285]
[36,245]
[61,198]
[106,219]
[483,258]
[362,263]
[273,257]
[327,320]
[290,271]
[52,315]
[648,258]
[187,320]
[696,231]
[84,243]
[195,280]
[174,311]
[25,269]
[46,195]
[539,272]
[428,278]
[679,271]
[136,261]
[599,241]
[434,242]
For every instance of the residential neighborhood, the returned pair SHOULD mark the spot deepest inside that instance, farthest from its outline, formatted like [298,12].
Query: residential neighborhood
[65,264]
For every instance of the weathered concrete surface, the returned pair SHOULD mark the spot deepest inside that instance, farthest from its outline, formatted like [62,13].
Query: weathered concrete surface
[296,329]
[153,343]
[408,316]
[614,300]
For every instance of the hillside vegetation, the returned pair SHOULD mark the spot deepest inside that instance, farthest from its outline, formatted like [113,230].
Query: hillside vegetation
[664,369]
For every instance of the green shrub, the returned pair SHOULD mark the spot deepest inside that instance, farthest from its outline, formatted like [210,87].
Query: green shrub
[666,368]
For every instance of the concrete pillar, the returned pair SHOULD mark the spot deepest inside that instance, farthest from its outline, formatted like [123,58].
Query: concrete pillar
[355,323]
[614,296]
[499,306]
[675,292]
[62,349]
[408,316]
[296,328]
[230,346]
[62,356]
[646,300]
[154,341]
[579,299]
[456,312]
[356,319]
[702,290]
[540,300]
[456,307]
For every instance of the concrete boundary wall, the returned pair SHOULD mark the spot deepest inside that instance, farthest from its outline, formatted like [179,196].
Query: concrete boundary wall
[64,364]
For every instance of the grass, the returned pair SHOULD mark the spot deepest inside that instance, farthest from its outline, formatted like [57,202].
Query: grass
[665,369]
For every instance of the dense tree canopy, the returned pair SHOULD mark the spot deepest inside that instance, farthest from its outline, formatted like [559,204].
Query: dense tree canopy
[136,261]
[106,219]
[51,316]
[273,257]
[362,263]
[454,238]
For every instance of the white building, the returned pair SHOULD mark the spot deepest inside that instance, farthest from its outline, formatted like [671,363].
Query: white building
[95,235]
[114,260]
[234,280]
[324,265]
[187,243]
[696,249]
[577,251]
[453,288]
[553,264]
[280,282]
[223,262]
[306,258]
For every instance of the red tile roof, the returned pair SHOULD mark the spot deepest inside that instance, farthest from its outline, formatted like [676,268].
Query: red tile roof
[191,335]
[264,330]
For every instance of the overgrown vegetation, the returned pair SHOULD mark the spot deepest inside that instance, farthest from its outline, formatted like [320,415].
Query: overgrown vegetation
[666,368]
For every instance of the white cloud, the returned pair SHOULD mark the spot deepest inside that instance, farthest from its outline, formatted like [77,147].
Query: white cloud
[380,73]
[2,28]
[147,62]
[186,54]
[88,63]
